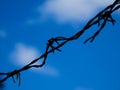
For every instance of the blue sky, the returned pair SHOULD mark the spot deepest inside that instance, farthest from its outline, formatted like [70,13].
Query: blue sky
[25,27]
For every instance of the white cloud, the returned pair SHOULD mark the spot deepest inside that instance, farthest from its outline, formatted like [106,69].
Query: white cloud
[48,70]
[3,34]
[80,88]
[24,54]
[71,10]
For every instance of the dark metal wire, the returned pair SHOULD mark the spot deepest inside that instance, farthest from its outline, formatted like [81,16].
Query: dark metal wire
[54,44]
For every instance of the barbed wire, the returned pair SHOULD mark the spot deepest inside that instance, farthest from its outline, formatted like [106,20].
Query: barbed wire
[54,44]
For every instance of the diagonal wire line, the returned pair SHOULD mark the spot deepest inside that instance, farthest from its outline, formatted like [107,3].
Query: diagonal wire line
[54,44]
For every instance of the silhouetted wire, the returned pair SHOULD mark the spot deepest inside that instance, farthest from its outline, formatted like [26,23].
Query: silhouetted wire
[54,44]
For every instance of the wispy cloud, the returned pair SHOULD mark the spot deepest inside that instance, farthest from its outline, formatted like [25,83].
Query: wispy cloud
[3,34]
[24,54]
[80,88]
[48,70]
[32,21]
[71,10]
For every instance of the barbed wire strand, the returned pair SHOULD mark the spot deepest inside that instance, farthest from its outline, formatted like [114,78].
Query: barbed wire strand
[54,44]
